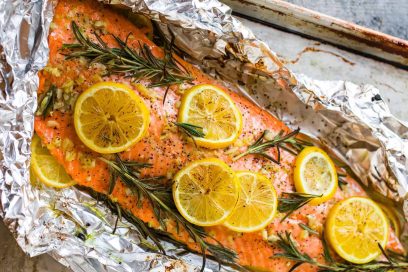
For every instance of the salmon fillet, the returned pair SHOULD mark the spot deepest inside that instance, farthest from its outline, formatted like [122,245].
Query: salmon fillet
[164,147]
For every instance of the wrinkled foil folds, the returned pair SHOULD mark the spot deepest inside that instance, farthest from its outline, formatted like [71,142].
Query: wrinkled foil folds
[351,120]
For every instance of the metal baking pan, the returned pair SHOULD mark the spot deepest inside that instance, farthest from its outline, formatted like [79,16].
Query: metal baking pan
[327,48]
[326,28]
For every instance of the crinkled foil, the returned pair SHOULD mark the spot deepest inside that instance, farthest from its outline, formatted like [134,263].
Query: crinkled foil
[351,120]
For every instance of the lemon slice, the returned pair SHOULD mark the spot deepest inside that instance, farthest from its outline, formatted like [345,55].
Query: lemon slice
[315,174]
[46,168]
[393,218]
[206,191]
[110,117]
[212,109]
[256,205]
[355,227]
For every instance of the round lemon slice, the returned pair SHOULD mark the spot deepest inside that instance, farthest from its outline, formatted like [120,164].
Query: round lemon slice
[206,191]
[355,227]
[212,109]
[393,218]
[256,205]
[315,174]
[45,167]
[110,117]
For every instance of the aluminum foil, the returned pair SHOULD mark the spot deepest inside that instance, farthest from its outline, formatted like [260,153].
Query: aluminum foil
[351,120]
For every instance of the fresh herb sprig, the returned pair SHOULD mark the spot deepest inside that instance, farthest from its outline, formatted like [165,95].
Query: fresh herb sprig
[394,262]
[138,64]
[341,181]
[287,142]
[134,165]
[291,202]
[46,102]
[160,197]
[308,229]
[190,130]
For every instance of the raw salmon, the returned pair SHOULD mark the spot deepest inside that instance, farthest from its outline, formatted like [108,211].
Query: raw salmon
[164,147]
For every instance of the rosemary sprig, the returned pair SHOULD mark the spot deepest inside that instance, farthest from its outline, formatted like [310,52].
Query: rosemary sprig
[291,252]
[125,60]
[46,102]
[293,202]
[190,130]
[135,166]
[341,181]
[156,235]
[160,197]
[287,142]
[308,229]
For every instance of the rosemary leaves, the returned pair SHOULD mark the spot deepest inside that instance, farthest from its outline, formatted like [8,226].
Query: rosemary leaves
[287,142]
[293,202]
[394,261]
[341,181]
[308,229]
[190,130]
[46,102]
[160,198]
[125,60]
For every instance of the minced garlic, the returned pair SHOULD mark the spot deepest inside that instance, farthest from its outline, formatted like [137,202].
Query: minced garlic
[67,145]
[80,80]
[70,155]
[56,142]
[313,223]
[264,234]
[304,234]
[53,26]
[239,143]
[86,160]
[128,192]
[99,24]
[273,238]
[169,175]
[52,71]
[52,124]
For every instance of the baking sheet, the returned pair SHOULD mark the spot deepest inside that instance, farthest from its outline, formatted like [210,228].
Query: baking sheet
[310,23]
[327,62]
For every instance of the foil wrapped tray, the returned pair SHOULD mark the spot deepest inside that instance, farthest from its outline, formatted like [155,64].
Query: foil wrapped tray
[352,120]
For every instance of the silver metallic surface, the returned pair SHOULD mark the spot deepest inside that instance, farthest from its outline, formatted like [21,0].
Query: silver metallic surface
[350,119]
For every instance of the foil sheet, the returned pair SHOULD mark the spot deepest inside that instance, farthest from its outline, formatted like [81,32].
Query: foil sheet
[352,120]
